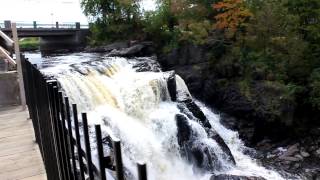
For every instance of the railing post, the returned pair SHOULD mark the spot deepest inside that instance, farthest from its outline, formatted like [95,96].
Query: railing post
[58,132]
[78,141]
[100,152]
[87,144]
[7,24]
[57,25]
[35,24]
[73,159]
[142,171]
[118,159]
[64,136]
[77,25]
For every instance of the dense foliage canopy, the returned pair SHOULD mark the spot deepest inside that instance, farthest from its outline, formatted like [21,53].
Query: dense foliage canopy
[279,39]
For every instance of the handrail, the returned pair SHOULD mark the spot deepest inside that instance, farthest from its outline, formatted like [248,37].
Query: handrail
[7,56]
[6,38]
[4,52]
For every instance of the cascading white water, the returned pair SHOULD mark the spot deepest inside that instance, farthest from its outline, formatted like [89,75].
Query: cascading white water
[135,107]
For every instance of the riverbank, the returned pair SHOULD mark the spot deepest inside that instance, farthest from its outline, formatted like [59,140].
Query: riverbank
[29,44]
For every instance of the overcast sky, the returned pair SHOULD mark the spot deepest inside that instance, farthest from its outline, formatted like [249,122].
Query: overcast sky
[48,11]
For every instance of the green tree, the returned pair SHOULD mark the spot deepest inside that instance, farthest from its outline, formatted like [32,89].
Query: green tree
[113,19]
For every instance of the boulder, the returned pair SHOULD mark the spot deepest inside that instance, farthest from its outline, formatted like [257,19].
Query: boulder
[196,151]
[184,129]
[234,177]
[172,86]
[223,146]
[109,47]
[146,64]
[137,50]
[291,151]
[191,106]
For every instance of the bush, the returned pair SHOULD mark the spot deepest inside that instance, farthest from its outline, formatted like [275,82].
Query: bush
[315,88]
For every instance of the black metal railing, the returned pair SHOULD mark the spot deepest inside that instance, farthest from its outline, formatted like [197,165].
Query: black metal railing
[67,154]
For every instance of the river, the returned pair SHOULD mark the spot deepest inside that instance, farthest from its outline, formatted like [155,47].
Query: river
[135,106]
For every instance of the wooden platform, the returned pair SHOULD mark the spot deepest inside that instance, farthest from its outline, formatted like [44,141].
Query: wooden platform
[19,154]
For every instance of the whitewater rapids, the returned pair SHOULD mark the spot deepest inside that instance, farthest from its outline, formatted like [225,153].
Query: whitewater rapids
[136,108]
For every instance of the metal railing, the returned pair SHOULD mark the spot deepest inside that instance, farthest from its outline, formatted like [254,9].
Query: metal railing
[36,25]
[66,154]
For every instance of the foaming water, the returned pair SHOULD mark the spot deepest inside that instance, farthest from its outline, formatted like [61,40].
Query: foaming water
[246,166]
[136,108]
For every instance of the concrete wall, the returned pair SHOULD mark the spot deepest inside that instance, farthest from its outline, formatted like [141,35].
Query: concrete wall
[9,89]
[64,43]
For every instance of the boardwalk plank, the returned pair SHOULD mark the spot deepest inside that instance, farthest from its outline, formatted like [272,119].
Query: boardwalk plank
[19,154]
[37,177]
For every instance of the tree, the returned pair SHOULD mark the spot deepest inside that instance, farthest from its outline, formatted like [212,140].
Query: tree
[232,16]
[112,19]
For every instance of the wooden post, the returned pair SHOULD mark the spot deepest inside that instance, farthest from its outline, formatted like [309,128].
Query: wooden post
[19,67]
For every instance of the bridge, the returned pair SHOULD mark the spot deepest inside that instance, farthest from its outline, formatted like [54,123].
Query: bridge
[53,37]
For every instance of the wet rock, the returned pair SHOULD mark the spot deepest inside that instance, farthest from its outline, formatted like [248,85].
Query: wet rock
[203,157]
[291,151]
[198,152]
[299,156]
[184,129]
[108,48]
[172,86]
[81,69]
[194,151]
[223,146]
[289,159]
[146,64]
[317,153]
[195,110]
[234,177]
[304,154]
[139,49]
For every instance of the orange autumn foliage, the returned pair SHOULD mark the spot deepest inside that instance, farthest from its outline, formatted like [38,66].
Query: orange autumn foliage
[233,14]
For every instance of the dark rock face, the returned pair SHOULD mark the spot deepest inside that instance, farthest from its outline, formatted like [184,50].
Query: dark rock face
[172,86]
[196,151]
[189,105]
[184,129]
[223,146]
[234,177]
[261,104]
[192,149]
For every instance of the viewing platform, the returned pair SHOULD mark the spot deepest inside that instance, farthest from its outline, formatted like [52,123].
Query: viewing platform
[20,157]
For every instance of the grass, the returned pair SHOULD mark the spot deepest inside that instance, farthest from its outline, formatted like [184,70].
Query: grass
[31,43]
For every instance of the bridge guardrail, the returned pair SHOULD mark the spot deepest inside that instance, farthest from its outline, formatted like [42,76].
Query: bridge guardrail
[56,25]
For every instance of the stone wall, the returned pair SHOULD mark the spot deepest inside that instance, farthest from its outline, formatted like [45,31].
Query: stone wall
[9,89]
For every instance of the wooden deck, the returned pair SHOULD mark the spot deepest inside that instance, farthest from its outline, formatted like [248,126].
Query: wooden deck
[20,157]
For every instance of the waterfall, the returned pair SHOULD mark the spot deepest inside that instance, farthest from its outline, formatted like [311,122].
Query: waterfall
[136,107]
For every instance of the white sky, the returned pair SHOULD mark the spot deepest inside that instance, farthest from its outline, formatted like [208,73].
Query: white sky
[48,11]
